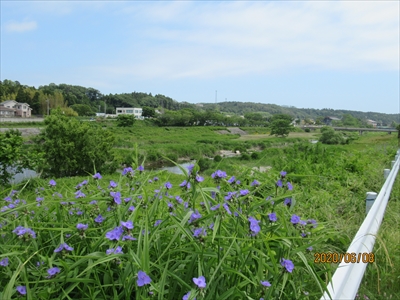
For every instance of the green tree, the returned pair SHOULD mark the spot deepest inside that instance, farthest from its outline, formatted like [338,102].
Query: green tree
[82,109]
[280,125]
[125,120]
[73,148]
[13,157]
[148,112]
[330,136]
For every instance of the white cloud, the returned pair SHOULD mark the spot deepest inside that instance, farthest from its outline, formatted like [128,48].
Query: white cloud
[206,40]
[21,26]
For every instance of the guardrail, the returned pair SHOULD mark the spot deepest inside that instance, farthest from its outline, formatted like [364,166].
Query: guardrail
[347,278]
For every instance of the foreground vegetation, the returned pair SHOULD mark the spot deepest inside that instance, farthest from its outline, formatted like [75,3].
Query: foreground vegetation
[209,225]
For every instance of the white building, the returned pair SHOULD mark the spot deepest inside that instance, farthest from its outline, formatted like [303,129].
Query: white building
[12,108]
[137,112]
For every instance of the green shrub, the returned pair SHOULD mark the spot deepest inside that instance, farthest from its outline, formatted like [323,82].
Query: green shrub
[217,158]
[204,163]
[307,130]
[125,120]
[245,156]
[255,155]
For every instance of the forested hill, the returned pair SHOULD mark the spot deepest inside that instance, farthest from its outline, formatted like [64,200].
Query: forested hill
[87,101]
[242,108]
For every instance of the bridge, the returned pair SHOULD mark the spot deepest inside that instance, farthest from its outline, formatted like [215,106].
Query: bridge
[360,130]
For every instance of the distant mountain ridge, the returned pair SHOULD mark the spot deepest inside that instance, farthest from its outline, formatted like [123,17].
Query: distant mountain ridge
[241,108]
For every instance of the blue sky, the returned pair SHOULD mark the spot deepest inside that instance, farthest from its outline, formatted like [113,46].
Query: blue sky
[311,54]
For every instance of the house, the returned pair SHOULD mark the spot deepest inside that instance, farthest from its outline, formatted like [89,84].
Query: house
[137,112]
[328,120]
[12,108]
[372,122]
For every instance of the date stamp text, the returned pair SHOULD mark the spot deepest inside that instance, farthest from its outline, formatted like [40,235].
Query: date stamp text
[335,257]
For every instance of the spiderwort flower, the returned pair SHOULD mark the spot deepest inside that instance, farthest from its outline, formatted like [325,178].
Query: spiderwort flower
[52,182]
[289,186]
[143,278]
[295,219]
[140,168]
[79,194]
[272,217]
[199,232]
[190,168]
[116,196]
[218,175]
[283,174]
[115,234]
[195,215]
[255,183]
[21,289]
[21,231]
[199,178]
[168,185]
[4,262]
[226,206]
[265,283]
[158,222]
[279,183]
[99,219]
[62,247]
[97,176]
[200,282]
[113,184]
[82,227]
[215,207]
[117,250]
[244,192]
[312,221]
[52,272]
[231,180]
[254,227]
[127,224]
[288,202]
[187,296]
[287,264]
[128,170]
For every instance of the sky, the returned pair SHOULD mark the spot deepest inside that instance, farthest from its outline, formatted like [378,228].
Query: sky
[307,54]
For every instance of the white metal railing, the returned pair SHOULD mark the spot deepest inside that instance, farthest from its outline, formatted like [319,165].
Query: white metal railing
[347,278]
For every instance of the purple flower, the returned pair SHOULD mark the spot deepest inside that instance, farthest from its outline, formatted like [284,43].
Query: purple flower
[199,178]
[312,221]
[79,194]
[97,176]
[52,182]
[289,186]
[183,184]
[244,192]
[288,201]
[53,271]
[218,174]
[215,207]
[116,196]
[128,170]
[115,234]
[226,206]
[155,178]
[81,226]
[283,174]
[93,202]
[168,185]
[21,289]
[265,283]
[295,219]
[310,248]
[128,237]
[22,231]
[99,219]
[4,262]
[254,227]
[63,246]
[200,282]
[187,296]
[158,222]
[272,217]
[117,250]
[287,264]
[255,183]
[143,279]
[195,215]
[127,224]
[190,168]
[113,184]
[199,232]
[231,180]
[131,208]
[279,183]
[229,196]
[140,168]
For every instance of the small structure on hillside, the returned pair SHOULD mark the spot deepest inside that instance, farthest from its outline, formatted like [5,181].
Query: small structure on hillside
[137,112]
[328,120]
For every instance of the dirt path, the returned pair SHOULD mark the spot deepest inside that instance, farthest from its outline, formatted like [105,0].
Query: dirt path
[24,131]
